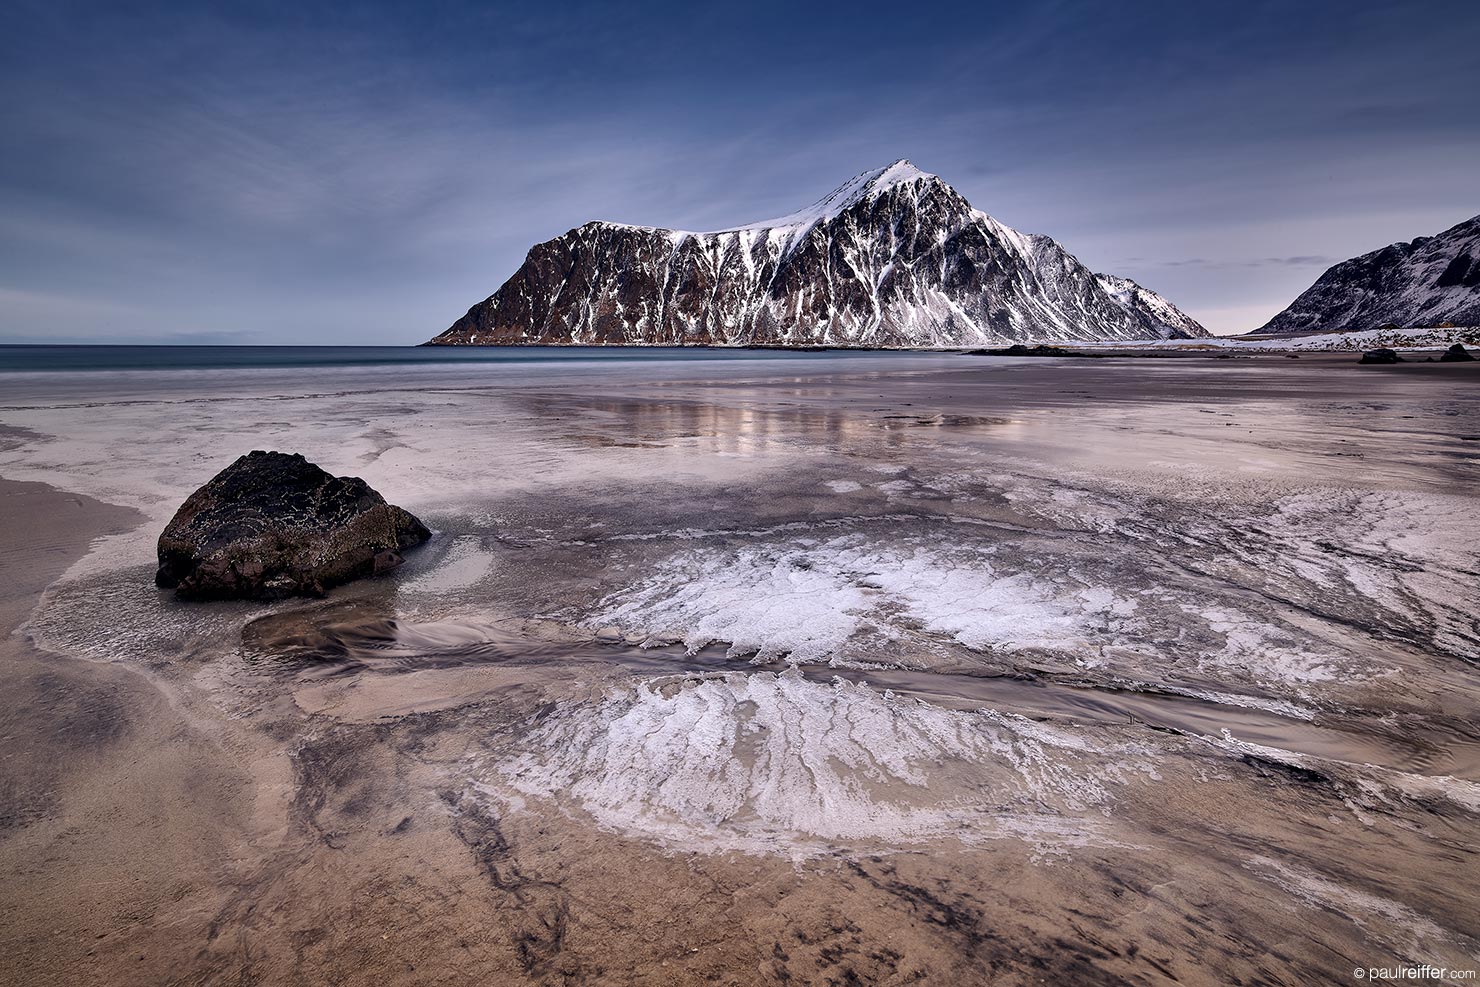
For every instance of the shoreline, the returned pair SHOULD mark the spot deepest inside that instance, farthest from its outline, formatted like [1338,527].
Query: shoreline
[236,806]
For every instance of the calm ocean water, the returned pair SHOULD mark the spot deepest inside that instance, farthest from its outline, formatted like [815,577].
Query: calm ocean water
[32,359]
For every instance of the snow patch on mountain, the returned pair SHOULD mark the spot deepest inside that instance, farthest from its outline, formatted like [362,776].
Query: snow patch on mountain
[1132,296]
[859,188]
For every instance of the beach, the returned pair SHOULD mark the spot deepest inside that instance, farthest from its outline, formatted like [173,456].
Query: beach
[822,668]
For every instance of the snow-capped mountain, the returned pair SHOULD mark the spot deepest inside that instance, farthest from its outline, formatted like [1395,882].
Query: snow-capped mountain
[1431,280]
[1131,296]
[892,257]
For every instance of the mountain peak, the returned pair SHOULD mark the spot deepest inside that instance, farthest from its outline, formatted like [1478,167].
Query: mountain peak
[896,173]
[859,188]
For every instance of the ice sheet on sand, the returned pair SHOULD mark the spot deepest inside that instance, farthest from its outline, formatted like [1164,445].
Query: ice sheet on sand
[762,760]
[904,598]
[806,599]
[1410,554]
[1256,647]
[981,608]
[762,601]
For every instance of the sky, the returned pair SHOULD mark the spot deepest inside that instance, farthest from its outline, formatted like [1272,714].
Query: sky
[363,172]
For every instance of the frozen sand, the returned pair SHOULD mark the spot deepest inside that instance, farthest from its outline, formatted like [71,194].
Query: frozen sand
[1290,541]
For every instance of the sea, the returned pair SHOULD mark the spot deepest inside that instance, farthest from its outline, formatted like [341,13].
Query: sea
[52,358]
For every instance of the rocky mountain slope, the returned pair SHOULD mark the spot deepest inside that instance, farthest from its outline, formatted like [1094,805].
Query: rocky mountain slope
[893,257]
[1431,280]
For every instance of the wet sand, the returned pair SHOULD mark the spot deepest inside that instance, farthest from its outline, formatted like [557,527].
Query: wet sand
[566,744]
[116,808]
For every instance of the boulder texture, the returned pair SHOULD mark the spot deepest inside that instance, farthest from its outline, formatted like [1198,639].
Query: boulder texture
[1381,356]
[1456,354]
[273,525]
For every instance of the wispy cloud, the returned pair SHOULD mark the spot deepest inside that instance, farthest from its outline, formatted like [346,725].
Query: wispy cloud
[1303,260]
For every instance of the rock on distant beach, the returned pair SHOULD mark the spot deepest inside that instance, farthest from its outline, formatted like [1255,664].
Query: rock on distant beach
[273,525]
[1018,349]
[1381,356]
[1455,354]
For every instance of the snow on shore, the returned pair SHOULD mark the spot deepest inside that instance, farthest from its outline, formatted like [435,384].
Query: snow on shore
[1369,339]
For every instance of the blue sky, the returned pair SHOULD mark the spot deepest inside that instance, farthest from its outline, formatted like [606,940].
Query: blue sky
[362,173]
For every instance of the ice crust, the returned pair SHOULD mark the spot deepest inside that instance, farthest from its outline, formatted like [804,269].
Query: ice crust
[851,599]
[762,760]
[805,600]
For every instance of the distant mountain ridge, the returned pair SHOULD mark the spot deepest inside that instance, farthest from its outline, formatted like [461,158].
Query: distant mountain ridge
[894,257]
[1423,282]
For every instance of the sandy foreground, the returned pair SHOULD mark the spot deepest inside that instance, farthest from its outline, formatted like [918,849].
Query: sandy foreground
[1115,672]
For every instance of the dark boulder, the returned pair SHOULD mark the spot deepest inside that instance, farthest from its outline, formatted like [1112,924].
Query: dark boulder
[1455,354]
[273,525]
[1381,356]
